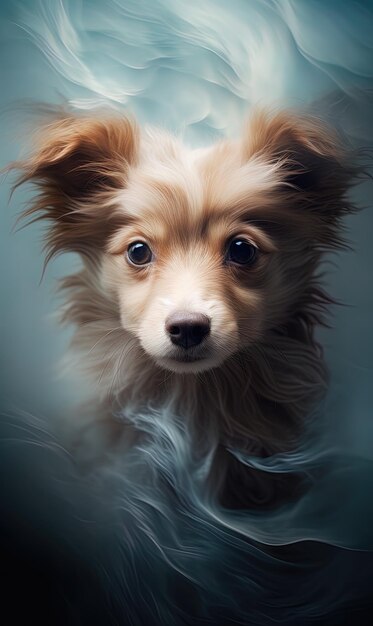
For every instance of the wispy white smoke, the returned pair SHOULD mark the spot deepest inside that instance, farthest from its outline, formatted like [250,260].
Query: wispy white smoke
[198,67]
[201,65]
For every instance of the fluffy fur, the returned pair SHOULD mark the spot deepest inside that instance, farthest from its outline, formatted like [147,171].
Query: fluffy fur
[104,183]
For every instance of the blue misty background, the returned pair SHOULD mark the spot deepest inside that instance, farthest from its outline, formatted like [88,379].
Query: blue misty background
[197,69]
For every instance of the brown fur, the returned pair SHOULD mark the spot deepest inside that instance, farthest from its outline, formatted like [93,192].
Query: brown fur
[103,183]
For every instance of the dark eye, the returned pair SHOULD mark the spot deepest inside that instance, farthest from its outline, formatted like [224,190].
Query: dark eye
[241,252]
[139,253]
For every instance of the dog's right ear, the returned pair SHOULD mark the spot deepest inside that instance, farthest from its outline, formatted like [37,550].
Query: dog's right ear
[77,165]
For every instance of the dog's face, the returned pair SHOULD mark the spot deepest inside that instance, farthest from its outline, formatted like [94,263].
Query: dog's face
[191,273]
[202,251]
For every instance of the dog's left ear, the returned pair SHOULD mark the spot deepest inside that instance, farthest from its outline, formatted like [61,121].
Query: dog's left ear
[315,169]
[77,164]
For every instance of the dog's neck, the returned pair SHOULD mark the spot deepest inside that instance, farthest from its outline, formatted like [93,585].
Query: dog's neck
[259,397]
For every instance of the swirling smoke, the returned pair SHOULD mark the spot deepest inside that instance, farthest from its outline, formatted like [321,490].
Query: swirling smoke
[136,542]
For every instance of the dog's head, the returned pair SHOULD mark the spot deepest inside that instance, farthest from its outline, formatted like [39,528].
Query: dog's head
[202,252]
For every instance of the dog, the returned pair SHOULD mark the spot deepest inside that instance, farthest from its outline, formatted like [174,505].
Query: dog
[199,289]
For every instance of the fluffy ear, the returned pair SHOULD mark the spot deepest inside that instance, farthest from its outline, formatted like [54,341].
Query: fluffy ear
[77,165]
[314,167]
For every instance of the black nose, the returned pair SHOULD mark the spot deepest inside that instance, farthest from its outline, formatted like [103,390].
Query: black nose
[187,329]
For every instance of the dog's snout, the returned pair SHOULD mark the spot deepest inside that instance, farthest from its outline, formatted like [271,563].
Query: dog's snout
[187,329]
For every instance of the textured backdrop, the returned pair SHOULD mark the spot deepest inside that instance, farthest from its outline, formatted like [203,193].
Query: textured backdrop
[197,69]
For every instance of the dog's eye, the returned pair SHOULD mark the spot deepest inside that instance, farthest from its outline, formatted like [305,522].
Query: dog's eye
[139,253]
[241,252]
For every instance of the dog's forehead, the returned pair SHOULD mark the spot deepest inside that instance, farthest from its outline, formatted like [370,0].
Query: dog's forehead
[183,188]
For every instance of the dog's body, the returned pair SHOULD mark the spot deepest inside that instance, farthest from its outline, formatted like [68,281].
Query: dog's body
[199,291]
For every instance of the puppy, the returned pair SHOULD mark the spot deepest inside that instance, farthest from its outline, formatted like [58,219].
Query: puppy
[199,289]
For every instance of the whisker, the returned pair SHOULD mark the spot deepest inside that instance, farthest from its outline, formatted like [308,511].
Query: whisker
[103,337]
[118,367]
[109,361]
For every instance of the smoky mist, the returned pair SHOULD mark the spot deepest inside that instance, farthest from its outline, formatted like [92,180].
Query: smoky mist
[135,540]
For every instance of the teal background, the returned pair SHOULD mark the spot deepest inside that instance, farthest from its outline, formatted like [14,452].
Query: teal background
[197,69]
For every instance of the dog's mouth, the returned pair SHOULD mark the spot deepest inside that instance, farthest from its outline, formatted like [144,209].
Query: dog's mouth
[187,363]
